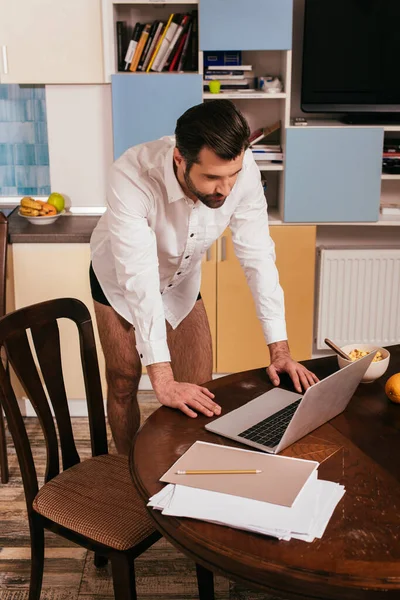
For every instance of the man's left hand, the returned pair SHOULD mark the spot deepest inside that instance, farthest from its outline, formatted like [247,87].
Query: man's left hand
[282,362]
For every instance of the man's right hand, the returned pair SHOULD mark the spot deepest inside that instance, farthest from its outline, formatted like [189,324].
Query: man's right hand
[186,397]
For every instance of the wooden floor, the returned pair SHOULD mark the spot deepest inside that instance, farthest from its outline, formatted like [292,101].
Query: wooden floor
[69,574]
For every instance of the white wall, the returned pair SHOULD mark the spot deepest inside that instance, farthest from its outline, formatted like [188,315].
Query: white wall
[80,141]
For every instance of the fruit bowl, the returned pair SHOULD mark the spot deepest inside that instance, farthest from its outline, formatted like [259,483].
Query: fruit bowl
[375,369]
[42,220]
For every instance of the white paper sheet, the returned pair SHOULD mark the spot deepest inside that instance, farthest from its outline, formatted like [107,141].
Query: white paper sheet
[305,520]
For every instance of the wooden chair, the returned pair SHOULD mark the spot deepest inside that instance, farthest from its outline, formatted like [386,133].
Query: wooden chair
[3,274]
[92,503]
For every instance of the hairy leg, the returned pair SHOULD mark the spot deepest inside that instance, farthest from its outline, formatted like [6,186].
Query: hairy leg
[123,372]
[191,348]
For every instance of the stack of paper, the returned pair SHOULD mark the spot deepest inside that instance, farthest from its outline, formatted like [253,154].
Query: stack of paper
[305,519]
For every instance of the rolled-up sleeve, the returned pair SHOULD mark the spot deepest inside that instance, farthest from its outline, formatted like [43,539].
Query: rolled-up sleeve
[134,249]
[256,252]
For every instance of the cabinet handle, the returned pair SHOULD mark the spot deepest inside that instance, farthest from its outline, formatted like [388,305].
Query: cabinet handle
[208,254]
[5,61]
[223,248]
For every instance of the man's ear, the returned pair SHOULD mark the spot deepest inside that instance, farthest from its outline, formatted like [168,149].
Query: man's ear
[178,158]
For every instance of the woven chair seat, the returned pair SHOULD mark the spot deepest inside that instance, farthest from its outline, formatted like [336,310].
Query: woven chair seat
[97,499]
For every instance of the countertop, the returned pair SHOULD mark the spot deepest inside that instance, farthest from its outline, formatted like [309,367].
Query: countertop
[67,229]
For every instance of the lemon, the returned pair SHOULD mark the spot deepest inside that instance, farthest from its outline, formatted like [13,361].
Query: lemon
[56,200]
[392,388]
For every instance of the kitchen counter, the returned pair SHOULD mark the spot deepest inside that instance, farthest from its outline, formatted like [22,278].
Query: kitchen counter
[67,229]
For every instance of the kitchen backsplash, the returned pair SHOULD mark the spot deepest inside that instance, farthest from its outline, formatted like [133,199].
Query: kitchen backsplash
[24,150]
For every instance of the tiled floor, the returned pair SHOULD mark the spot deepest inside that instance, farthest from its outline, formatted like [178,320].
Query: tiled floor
[69,574]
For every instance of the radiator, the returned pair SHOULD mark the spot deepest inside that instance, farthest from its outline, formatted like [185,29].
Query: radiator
[358,297]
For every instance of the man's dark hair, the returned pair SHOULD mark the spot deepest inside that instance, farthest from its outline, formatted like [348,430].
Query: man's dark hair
[218,125]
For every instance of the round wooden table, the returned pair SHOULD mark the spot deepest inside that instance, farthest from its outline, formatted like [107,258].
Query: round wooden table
[359,555]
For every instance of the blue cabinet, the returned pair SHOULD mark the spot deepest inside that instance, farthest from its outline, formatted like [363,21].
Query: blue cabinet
[333,174]
[245,24]
[146,106]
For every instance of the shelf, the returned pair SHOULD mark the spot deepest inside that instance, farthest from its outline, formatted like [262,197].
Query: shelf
[242,96]
[384,220]
[315,123]
[391,176]
[268,166]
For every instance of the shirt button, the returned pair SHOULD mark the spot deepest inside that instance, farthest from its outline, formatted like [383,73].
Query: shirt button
[192,234]
[187,257]
[179,273]
[141,356]
[170,285]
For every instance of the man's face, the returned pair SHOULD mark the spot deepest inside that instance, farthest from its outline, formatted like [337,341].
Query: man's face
[212,178]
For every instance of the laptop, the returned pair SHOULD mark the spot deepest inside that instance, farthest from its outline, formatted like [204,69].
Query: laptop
[278,418]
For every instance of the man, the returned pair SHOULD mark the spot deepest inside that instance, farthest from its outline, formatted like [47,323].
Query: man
[168,201]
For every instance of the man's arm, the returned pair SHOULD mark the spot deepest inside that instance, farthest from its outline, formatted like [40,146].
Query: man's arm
[134,249]
[256,252]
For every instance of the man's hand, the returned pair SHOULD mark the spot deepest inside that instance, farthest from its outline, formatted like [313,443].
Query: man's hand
[282,362]
[186,397]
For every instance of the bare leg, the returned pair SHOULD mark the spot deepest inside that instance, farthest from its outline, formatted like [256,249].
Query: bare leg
[123,372]
[191,360]
[191,348]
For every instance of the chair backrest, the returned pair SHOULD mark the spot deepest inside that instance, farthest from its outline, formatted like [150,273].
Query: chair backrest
[3,262]
[41,320]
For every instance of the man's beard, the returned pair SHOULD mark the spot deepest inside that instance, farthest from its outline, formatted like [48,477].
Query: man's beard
[210,200]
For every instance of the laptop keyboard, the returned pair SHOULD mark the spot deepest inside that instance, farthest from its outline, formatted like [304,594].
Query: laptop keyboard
[270,431]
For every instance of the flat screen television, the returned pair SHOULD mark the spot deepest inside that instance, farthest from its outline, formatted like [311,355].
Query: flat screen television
[351,58]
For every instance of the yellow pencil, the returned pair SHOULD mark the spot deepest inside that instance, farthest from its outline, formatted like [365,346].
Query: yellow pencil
[220,472]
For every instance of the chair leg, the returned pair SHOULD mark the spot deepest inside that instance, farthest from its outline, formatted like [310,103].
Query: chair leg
[100,561]
[3,450]
[37,559]
[205,583]
[123,574]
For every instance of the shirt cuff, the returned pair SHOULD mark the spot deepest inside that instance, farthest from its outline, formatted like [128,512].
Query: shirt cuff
[274,331]
[153,352]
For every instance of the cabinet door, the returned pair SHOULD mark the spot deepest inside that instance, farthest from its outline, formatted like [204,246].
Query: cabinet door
[245,24]
[146,107]
[47,41]
[46,271]
[209,294]
[240,341]
[333,174]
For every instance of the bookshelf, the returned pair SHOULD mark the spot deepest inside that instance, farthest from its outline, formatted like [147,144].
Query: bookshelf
[133,12]
[261,109]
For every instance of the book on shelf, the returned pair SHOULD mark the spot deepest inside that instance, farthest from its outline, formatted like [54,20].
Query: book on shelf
[150,51]
[191,60]
[232,68]
[122,34]
[140,47]
[183,21]
[223,59]
[390,209]
[148,43]
[177,52]
[137,30]
[185,49]
[167,40]
[262,132]
[159,43]
[268,156]
[176,47]
[231,77]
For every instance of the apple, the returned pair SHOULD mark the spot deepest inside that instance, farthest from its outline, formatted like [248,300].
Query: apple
[56,200]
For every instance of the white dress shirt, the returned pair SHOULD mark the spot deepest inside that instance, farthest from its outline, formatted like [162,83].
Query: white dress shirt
[147,247]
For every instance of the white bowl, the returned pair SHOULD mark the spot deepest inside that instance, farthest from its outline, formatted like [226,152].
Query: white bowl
[42,220]
[375,369]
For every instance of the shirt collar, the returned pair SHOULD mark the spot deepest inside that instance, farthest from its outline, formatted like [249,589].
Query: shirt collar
[174,190]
